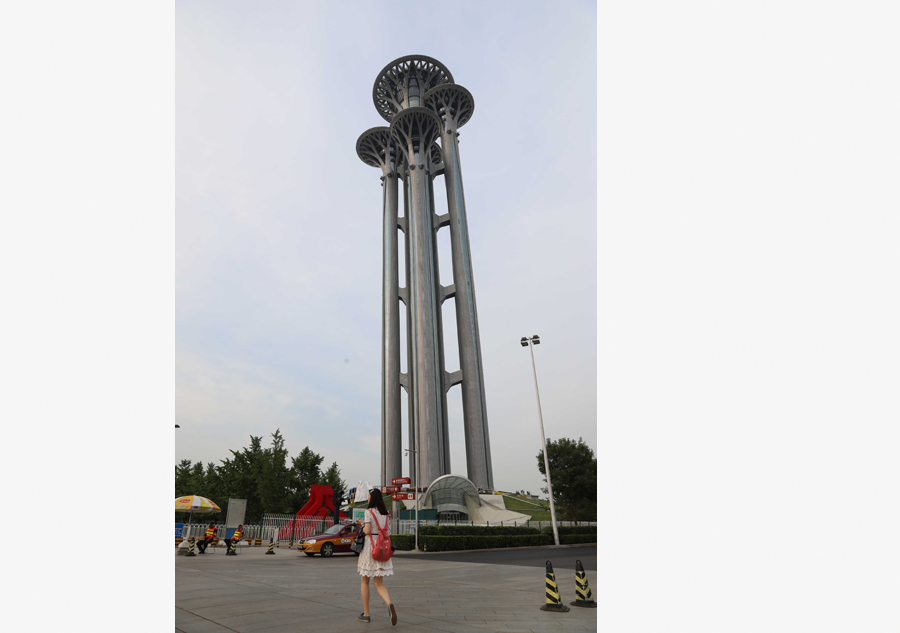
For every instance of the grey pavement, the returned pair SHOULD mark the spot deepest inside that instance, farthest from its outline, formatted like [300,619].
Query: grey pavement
[293,592]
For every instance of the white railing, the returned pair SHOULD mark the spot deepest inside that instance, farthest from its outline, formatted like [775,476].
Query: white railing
[198,531]
[409,527]
[286,529]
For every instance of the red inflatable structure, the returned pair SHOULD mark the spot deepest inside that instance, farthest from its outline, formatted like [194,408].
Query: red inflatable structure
[311,517]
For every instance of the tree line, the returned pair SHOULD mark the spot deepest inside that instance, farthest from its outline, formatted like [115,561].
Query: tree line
[574,471]
[260,475]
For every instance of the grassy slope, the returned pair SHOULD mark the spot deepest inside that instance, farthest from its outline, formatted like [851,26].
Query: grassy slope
[531,504]
[539,512]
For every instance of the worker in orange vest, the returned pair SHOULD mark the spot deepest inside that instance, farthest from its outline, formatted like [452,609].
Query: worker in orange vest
[235,538]
[210,535]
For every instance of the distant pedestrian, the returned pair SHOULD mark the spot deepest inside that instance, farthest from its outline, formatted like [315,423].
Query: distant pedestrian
[210,535]
[235,538]
[377,519]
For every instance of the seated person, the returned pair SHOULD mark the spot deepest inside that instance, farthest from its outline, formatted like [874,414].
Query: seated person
[235,538]
[210,535]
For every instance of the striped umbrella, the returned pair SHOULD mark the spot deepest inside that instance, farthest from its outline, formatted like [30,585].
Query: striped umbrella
[190,503]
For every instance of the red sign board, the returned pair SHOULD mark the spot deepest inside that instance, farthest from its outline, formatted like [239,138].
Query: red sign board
[400,480]
[403,496]
[387,489]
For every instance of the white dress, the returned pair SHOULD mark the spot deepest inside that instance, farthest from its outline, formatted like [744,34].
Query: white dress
[368,566]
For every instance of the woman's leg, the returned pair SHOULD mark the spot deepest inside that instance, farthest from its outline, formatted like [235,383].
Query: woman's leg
[382,590]
[364,591]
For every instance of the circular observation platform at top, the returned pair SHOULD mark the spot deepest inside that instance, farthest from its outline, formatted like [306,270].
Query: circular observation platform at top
[404,82]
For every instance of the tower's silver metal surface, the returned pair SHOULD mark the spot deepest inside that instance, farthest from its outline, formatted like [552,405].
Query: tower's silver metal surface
[454,105]
[413,130]
[416,94]
[375,148]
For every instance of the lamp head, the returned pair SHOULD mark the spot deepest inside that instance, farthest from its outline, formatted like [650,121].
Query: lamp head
[524,341]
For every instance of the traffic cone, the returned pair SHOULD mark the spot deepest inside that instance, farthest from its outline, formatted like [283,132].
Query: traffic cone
[583,596]
[271,547]
[553,602]
[191,548]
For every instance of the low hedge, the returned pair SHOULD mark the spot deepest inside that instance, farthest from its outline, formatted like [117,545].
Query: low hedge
[403,542]
[572,529]
[477,530]
[451,543]
[573,539]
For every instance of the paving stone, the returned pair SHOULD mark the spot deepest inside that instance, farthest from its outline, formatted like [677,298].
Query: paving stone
[291,592]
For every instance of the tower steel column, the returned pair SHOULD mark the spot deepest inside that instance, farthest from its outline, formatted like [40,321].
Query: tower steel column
[413,130]
[374,147]
[408,382]
[454,105]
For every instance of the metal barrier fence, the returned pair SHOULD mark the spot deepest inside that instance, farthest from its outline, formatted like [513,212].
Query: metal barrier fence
[287,528]
[409,527]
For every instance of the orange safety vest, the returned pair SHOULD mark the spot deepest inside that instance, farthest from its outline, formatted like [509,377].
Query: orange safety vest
[238,535]
[210,532]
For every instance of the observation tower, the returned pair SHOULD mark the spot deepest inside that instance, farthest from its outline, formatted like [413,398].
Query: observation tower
[425,109]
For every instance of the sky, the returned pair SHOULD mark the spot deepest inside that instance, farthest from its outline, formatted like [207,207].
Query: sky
[278,224]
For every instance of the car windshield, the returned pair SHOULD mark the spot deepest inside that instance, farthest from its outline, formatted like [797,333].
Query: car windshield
[334,529]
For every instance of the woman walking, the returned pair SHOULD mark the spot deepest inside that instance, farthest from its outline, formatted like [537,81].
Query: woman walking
[377,519]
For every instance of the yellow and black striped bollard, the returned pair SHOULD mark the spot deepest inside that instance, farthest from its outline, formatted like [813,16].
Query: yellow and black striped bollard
[553,602]
[583,596]
[231,548]
[191,547]
[271,546]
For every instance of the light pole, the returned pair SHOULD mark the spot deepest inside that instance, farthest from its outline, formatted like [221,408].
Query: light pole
[530,342]
[416,454]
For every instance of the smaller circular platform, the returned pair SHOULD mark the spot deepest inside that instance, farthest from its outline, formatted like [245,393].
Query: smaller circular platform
[453,103]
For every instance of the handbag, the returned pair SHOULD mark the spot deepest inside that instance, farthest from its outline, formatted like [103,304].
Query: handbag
[358,543]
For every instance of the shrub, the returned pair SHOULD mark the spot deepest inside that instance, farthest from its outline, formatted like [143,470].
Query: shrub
[574,539]
[451,543]
[404,542]
[476,530]
[572,529]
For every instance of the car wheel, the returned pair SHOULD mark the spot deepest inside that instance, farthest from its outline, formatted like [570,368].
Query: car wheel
[309,553]
[327,550]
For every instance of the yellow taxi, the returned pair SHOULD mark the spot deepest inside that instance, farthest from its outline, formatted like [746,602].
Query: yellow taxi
[337,538]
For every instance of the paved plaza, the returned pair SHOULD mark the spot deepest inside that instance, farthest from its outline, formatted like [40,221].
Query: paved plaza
[431,592]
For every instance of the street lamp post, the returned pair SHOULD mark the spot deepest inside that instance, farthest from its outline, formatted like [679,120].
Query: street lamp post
[416,454]
[530,342]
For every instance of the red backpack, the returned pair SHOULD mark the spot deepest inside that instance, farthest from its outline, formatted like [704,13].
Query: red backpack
[381,548]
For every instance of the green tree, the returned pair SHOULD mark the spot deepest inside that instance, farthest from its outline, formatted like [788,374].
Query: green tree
[273,481]
[304,472]
[573,468]
[332,477]
[259,475]
[182,473]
